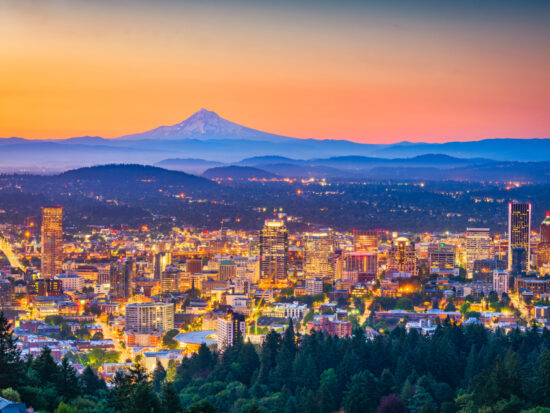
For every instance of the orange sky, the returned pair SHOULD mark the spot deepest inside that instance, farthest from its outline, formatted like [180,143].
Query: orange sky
[371,75]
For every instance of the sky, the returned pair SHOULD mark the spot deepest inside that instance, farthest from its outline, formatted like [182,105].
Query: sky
[368,71]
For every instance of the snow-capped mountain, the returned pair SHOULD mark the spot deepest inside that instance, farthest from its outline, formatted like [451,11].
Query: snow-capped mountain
[205,125]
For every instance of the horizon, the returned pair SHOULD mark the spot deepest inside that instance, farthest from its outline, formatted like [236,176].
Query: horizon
[369,73]
[395,142]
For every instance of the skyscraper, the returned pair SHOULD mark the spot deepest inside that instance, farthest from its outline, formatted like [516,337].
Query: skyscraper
[52,241]
[402,256]
[122,278]
[318,254]
[478,247]
[160,261]
[519,231]
[545,229]
[543,250]
[365,241]
[274,250]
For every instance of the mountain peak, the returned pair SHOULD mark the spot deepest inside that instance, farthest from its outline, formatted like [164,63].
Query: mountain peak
[204,125]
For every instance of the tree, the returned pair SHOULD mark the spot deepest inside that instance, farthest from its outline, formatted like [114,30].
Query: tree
[11,366]
[67,382]
[168,339]
[169,399]
[45,366]
[171,371]
[202,407]
[91,384]
[11,395]
[391,404]
[159,375]
[65,408]
[328,393]
[361,394]
[542,379]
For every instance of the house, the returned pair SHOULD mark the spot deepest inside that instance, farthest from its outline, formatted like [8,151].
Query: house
[7,406]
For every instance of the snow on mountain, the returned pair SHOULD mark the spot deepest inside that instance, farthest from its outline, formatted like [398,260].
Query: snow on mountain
[205,125]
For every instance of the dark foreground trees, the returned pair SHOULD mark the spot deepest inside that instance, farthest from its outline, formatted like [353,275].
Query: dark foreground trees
[456,370]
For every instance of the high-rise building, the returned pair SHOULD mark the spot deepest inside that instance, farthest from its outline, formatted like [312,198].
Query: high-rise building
[501,281]
[160,261]
[230,329]
[543,249]
[519,233]
[545,229]
[442,257]
[149,317]
[359,266]
[121,278]
[274,250]
[402,256]
[52,241]
[318,254]
[366,241]
[478,247]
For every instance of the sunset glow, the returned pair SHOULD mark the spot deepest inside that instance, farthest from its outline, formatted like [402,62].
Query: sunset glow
[339,70]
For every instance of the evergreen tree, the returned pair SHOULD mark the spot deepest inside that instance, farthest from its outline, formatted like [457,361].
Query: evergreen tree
[11,367]
[328,393]
[67,382]
[391,404]
[170,400]
[361,395]
[542,379]
[45,366]
[90,383]
[159,375]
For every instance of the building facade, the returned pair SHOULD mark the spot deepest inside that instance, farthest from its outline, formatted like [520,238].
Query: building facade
[274,250]
[149,317]
[52,241]
[318,254]
[519,233]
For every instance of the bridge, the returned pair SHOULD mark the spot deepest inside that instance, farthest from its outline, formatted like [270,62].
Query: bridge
[13,259]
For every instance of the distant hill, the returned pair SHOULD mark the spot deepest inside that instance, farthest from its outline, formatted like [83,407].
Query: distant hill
[121,174]
[206,135]
[190,165]
[237,173]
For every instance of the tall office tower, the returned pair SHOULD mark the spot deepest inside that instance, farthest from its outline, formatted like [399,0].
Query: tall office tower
[274,250]
[519,231]
[121,278]
[160,261]
[52,241]
[545,229]
[478,247]
[543,250]
[366,241]
[318,254]
[402,256]
[230,328]
[149,317]
[441,257]
[359,266]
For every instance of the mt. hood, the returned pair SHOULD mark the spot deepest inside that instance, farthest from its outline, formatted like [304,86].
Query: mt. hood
[205,125]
